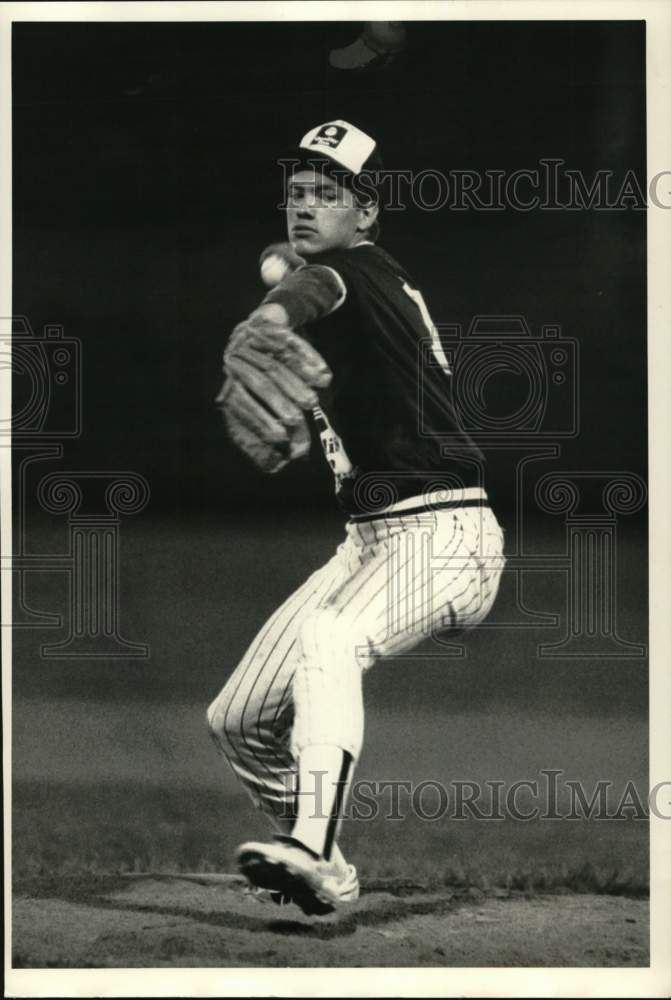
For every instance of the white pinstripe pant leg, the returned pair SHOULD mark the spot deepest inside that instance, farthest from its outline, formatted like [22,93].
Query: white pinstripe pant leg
[406,578]
[250,719]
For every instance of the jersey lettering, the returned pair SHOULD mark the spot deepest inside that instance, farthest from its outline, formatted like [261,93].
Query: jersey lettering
[334,451]
[436,346]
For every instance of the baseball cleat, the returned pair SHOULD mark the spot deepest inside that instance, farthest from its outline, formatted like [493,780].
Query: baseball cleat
[287,867]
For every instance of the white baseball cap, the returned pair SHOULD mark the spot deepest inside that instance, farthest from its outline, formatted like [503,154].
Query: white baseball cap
[342,151]
[348,146]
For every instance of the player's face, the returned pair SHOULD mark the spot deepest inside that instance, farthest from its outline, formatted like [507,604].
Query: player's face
[321,214]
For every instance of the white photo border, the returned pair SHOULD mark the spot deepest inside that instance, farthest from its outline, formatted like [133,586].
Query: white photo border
[497,982]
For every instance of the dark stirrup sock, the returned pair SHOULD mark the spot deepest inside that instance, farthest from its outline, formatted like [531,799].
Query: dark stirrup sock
[338,804]
[325,773]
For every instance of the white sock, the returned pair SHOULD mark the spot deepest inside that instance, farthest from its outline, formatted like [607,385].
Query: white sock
[324,775]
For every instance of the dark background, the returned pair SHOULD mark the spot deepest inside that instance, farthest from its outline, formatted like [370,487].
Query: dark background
[144,189]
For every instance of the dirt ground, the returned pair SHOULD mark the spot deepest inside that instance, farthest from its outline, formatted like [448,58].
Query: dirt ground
[209,920]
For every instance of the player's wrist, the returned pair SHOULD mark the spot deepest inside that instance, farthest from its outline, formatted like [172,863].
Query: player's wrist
[271,312]
[309,294]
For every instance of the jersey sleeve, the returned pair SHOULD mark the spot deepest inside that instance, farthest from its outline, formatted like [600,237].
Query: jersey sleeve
[310,293]
[340,284]
[341,264]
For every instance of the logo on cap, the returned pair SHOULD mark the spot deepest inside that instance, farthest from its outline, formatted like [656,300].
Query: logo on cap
[341,142]
[329,135]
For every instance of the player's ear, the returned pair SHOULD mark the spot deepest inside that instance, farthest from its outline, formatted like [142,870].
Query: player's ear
[367,217]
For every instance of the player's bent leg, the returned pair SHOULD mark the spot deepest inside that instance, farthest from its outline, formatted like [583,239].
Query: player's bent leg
[327,688]
[316,879]
[250,720]
[308,865]
[327,733]
[258,757]
[407,579]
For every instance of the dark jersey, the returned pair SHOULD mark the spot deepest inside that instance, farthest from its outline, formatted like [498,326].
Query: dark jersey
[390,401]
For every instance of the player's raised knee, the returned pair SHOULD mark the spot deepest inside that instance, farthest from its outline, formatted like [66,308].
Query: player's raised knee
[224,720]
[212,718]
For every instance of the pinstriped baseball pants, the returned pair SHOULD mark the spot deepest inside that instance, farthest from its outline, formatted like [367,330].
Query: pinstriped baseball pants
[392,583]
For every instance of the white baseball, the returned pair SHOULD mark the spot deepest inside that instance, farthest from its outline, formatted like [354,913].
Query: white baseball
[273,269]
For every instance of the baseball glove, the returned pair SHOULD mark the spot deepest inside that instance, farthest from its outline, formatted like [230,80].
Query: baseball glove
[272,375]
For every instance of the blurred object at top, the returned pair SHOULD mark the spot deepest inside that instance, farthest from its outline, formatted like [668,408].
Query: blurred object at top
[377,46]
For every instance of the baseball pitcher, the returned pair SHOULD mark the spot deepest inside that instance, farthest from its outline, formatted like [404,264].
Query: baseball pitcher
[342,354]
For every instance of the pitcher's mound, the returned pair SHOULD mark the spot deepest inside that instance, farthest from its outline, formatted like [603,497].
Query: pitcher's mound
[151,920]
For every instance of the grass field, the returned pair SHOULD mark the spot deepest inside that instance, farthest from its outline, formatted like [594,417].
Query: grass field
[72,829]
[131,786]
